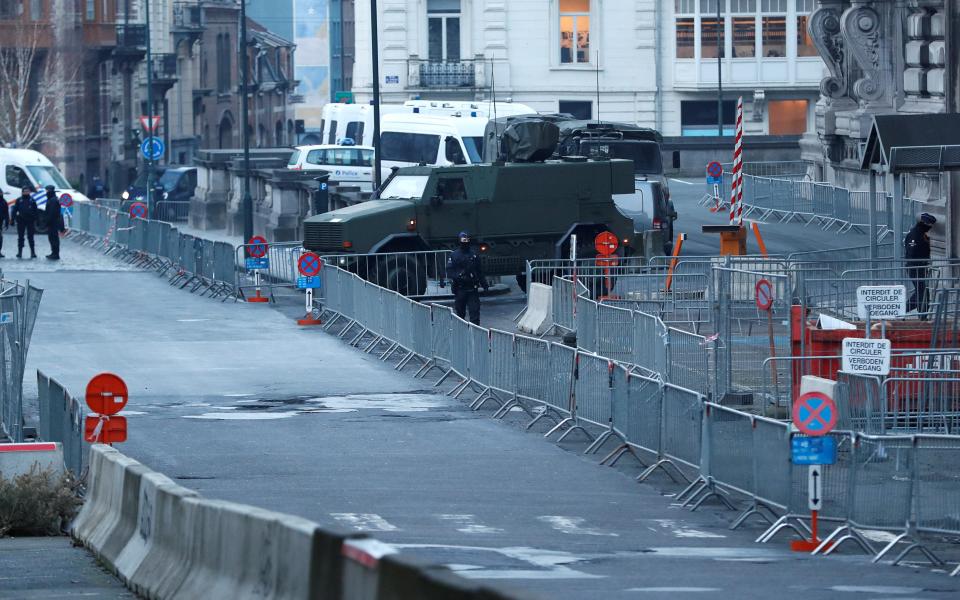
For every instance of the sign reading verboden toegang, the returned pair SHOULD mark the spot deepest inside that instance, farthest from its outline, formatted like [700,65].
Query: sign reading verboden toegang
[866,357]
[883,301]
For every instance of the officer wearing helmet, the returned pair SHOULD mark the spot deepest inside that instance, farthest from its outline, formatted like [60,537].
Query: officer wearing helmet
[916,251]
[466,276]
[54,218]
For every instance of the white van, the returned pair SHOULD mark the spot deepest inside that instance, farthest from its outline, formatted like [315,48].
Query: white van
[28,168]
[352,165]
[413,139]
[452,108]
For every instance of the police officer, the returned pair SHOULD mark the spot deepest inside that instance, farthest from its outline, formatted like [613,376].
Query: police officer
[465,275]
[4,219]
[916,251]
[54,219]
[24,214]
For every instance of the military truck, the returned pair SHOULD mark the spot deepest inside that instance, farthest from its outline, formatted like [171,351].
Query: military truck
[516,212]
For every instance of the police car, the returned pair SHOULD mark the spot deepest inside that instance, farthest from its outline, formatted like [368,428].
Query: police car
[28,168]
[346,162]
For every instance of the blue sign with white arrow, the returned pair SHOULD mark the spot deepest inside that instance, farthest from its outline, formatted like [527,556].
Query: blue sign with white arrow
[152,148]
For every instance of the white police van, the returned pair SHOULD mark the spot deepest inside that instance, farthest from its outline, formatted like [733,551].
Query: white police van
[347,164]
[28,168]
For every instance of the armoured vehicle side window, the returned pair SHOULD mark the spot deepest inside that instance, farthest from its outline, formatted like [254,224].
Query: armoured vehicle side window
[453,152]
[451,189]
[413,148]
[355,131]
[332,137]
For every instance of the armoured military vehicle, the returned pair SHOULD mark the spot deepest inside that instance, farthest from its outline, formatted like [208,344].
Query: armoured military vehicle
[516,212]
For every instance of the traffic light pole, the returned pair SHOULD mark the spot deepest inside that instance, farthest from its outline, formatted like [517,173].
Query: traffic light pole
[245,118]
[149,159]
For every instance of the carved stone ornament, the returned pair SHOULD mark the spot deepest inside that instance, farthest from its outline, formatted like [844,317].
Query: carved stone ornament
[824,29]
[861,29]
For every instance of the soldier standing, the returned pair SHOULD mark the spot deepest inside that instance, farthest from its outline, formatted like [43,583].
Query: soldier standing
[916,251]
[54,219]
[25,214]
[465,275]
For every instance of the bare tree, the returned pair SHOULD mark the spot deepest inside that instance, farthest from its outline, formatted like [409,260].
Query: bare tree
[35,83]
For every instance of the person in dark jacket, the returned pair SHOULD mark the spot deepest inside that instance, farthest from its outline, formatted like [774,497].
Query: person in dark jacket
[916,251]
[4,219]
[54,220]
[466,276]
[25,214]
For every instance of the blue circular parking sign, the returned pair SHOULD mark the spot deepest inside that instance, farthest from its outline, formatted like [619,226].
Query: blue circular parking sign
[152,148]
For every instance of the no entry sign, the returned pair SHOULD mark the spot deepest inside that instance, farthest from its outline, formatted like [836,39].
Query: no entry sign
[66,201]
[105,430]
[138,210]
[257,247]
[764,290]
[815,414]
[309,264]
[106,394]
[606,243]
[714,169]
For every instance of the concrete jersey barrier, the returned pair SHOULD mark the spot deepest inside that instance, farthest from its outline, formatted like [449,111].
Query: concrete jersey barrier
[166,542]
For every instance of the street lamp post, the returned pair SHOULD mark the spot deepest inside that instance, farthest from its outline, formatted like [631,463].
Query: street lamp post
[149,159]
[376,94]
[720,30]
[245,118]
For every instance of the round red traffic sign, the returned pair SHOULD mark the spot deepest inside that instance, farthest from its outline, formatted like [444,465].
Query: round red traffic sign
[66,200]
[714,169]
[138,210]
[764,290]
[606,243]
[257,246]
[309,264]
[815,414]
[106,394]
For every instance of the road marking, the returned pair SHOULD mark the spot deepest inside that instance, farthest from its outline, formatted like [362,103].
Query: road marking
[573,525]
[365,521]
[674,589]
[192,320]
[876,589]
[386,402]
[725,554]
[468,524]
[548,564]
[242,416]
[682,181]
[685,532]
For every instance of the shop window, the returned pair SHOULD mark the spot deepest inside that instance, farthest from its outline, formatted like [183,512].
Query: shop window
[787,117]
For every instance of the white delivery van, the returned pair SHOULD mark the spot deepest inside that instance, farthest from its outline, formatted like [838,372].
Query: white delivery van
[352,165]
[413,139]
[28,168]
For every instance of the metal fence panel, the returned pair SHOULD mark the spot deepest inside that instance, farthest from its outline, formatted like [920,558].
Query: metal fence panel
[593,387]
[503,364]
[682,425]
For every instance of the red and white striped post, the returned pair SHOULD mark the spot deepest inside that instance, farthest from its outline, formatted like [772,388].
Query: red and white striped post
[736,188]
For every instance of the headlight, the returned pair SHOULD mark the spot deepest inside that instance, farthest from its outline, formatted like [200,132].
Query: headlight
[165,195]
[126,195]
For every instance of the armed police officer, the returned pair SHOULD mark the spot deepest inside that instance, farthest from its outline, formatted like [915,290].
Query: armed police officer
[466,276]
[916,251]
[53,216]
[4,219]
[24,214]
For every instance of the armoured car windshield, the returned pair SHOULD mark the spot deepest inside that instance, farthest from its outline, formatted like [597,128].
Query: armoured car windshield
[645,155]
[405,186]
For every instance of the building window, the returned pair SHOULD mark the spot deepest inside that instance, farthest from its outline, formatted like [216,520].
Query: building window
[443,30]
[787,117]
[36,9]
[686,11]
[744,25]
[805,45]
[224,76]
[580,109]
[11,9]
[91,10]
[712,38]
[699,117]
[574,31]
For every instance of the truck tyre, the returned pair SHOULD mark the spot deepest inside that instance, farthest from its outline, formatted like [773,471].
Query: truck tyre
[404,275]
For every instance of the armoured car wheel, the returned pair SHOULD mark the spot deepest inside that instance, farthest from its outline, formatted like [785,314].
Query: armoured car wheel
[404,275]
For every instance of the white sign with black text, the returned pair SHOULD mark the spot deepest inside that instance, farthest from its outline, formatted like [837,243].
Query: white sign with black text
[883,301]
[814,487]
[866,357]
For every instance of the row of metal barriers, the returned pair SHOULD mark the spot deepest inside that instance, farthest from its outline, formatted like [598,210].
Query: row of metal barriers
[61,420]
[19,304]
[893,484]
[187,261]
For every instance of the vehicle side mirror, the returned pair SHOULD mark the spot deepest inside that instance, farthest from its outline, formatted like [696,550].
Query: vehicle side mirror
[436,201]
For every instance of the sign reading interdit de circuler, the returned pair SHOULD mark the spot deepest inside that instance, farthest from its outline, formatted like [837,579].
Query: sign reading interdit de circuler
[882,301]
[866,357]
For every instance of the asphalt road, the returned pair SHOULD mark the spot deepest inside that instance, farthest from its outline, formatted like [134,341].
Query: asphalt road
[236,401]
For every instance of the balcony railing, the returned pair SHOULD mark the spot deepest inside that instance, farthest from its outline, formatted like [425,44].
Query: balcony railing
[132,36]
[164,66]
[187,15]
[436,74]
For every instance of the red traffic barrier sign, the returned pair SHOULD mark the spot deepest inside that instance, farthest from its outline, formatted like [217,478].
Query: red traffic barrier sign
[66,200]
[309,264]
[257,246]
[138,210]
[606,243]
[714,169]
[764,290]
[105,430]
[107,394]
[815,414]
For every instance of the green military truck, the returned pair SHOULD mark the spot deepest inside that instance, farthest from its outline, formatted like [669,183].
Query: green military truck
[515,211]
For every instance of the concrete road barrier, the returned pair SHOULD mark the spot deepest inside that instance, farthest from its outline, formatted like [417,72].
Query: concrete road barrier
[539,314]
[17,459]
[166,542]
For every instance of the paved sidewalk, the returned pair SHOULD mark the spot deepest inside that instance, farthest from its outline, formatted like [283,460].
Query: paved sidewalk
[52,567]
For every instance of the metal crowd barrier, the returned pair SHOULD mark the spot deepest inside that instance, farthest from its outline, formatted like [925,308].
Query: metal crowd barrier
[202,265]
[20,303]
[61,420]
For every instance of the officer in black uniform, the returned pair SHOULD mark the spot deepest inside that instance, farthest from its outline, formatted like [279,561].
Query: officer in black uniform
[54,219]
[4,219]
[466,275]
[24,214]
[916,251]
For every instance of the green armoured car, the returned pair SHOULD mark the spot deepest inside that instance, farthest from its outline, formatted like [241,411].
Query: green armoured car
[515,211]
